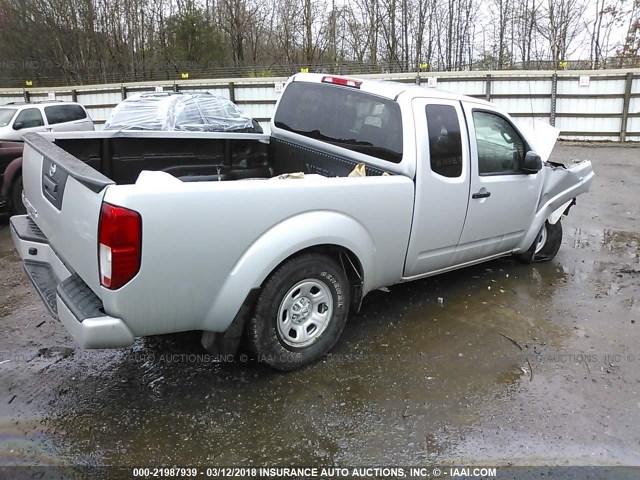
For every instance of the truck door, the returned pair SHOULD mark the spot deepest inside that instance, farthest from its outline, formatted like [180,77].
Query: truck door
[502,199]
[442,185]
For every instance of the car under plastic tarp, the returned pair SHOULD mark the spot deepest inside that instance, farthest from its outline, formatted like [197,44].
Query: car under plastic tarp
[192,112]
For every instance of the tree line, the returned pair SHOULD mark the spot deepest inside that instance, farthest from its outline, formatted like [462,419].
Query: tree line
[89,41]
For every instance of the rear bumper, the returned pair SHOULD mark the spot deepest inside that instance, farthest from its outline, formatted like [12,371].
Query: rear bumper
[64,293]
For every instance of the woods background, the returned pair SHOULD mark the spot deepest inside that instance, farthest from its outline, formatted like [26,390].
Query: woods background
[64,42]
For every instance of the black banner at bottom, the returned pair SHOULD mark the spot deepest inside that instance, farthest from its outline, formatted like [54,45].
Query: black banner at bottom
[326,473]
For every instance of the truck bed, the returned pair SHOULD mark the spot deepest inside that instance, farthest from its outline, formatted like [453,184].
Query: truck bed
[218,239]
[121,156]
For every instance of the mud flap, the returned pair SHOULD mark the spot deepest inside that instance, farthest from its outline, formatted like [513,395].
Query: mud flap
[227,342]
[221,344]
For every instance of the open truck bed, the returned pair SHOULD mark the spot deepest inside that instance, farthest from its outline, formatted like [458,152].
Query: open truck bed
[195,236]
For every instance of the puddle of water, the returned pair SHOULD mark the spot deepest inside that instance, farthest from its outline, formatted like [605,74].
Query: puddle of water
[22,443]
[614,241]
[412,380]
[405,383]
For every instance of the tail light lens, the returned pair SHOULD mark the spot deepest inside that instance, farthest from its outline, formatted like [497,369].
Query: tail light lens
[119,245]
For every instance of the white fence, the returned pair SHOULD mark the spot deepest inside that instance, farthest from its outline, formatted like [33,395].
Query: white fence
[585,105]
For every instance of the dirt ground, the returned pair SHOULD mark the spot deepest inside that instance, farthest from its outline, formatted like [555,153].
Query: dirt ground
[519,365]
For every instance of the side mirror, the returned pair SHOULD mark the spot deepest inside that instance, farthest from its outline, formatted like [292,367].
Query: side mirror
[532,163]
[18,125]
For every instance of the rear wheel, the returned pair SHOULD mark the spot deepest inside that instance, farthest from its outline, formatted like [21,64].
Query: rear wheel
[300,313]
[17,207]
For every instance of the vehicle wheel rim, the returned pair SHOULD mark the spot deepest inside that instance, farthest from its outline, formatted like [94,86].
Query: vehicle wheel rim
[304,313]
[542,239]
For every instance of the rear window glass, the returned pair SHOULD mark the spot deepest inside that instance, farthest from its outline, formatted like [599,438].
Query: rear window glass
[6,114]
[64,113]
[343,116]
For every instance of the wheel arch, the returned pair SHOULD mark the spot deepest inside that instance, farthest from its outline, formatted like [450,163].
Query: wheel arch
[330,233]
[347,259]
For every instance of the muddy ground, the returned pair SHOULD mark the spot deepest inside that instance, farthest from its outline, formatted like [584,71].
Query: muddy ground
[524,365]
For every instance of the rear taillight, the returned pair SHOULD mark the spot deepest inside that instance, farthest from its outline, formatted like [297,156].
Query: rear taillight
[119,245]
[345,82]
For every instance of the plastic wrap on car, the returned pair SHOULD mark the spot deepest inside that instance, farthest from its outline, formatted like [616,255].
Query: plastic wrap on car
[195,112]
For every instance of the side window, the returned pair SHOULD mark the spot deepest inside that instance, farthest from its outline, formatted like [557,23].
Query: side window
[64,113]
[28,118]
[445,142]
[501,149]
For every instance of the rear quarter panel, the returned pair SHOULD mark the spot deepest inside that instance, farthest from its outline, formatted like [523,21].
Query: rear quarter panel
[205,246]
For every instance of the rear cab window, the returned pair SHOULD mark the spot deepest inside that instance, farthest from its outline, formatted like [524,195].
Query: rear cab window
[343,116]
[64,113]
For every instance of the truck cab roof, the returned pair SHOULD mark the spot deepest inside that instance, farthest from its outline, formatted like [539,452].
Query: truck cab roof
[384,88]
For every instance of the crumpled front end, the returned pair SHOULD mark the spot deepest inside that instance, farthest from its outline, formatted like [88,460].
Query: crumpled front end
[562,184]
[561,180]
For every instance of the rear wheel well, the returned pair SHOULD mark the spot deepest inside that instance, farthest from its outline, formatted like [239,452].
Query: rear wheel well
[228,341]
[349,262]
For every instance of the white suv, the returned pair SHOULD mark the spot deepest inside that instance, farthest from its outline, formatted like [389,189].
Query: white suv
[16,119]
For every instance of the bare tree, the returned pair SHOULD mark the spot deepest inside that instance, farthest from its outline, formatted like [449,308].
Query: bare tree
[423,31]
[560,24]
[525,18]
[503,24]
[79,41]
[630,50]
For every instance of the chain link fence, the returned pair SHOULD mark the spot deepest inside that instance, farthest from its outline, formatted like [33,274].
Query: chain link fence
[49,75]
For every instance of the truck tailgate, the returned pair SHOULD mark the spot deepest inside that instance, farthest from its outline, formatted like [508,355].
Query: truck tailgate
[63,196]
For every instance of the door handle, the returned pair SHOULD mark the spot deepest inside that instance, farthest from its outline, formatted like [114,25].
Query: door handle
[481,195]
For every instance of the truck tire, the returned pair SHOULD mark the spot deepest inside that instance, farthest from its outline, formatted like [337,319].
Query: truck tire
[546,245]
[17,207]
[300,312]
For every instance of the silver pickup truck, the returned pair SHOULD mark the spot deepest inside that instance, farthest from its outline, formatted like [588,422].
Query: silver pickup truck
[131,234]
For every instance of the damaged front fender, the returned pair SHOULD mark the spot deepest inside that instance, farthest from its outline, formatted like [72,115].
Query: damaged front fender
[564,182]
[561,185]
[563,210]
